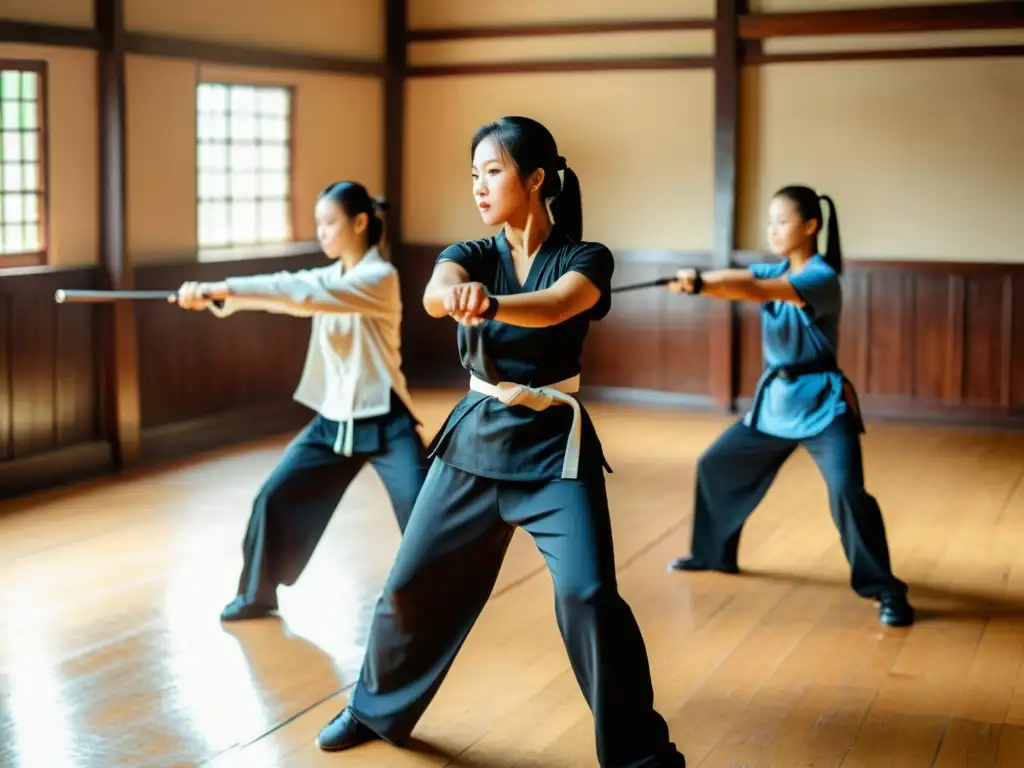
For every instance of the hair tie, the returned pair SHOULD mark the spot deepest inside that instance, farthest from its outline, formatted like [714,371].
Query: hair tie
[380,204]
[560,164]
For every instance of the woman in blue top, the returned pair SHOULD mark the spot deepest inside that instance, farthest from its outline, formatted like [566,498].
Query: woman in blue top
[802,397]
[517,451]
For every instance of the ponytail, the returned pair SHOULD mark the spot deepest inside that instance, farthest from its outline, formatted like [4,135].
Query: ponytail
[567,206]
[377,233]
[833,247]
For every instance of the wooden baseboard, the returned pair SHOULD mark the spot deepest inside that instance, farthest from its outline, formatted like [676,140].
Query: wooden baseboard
[50,469]
[187,438]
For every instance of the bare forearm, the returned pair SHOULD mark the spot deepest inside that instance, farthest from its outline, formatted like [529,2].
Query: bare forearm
[730,285]
[536,309]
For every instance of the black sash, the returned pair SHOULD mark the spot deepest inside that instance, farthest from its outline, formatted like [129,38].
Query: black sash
[792,372]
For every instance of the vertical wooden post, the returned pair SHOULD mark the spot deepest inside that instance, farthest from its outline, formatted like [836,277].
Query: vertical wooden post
[394,115]
[724,342]
[120,347]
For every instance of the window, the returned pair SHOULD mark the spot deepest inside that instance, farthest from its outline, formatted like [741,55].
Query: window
[243,164]
[22,174]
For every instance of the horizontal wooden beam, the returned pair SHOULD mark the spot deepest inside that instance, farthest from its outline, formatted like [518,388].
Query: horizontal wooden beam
[549,30]
[887,54]
[567,65]
[48,34]
[183,48]
[870,21]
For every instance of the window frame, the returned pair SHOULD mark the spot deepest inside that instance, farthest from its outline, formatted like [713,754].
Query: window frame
[258,247]
[41,256]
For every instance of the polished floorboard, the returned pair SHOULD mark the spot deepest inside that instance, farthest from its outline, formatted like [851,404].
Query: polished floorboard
[111,652]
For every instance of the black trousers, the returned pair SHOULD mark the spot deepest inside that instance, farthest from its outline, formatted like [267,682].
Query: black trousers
[735,472]
[298,499]
[444,573]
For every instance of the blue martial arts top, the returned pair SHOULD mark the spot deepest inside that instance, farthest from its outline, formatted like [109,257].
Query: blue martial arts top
[482,435]
[802,407]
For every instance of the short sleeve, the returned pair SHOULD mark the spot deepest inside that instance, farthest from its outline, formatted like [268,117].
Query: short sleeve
[818,285]
[467,255]
[595,262]
[765,271]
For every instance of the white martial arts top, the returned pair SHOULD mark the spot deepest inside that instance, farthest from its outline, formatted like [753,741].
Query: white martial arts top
[354,358]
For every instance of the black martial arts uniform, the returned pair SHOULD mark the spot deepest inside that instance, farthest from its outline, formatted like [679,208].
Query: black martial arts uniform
[496,467]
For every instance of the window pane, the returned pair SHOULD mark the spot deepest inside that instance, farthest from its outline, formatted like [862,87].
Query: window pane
[274,158]
[243,128]
[274,185]
[31,237]
[14,242]
[212,127]
[273,129]
[29,85]
[243,157]
[12,177]
[243,186]
[273,101]
[13,209]
[213,185]
[213,224]
[243,222]
[213,157]
[10,85]
[30,146]
[30,177]
[243,99]
[10,116]
[29,114]
[11,146]
[212,98]
[274,221]
[30,206]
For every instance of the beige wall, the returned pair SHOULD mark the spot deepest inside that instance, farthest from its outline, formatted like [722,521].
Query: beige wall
[72,158]
[925,159]
[338,126]
[337,133]
[352,28]
[639,141]
[70,13]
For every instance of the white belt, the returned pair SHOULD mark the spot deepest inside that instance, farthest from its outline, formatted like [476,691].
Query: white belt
[539,399]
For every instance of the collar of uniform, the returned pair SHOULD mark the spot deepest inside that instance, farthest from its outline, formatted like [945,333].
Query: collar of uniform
[556,238]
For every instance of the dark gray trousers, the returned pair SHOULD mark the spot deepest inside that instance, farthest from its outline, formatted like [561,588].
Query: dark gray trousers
[444,573]
[735,472]
[298,499]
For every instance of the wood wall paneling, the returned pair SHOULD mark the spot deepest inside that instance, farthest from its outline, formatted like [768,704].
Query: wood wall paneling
[50,395]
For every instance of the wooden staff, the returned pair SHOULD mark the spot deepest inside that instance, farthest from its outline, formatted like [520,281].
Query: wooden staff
[648,284]
[104,297]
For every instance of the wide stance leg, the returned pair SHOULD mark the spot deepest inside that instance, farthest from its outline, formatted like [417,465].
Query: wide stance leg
[443,575]
[733,476]
[856,513]
[403,469]
[570,524]
[289,516]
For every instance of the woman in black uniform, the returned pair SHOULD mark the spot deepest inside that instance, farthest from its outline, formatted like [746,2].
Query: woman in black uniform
[518,450]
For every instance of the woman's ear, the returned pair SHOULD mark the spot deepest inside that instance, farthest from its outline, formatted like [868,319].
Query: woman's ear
[535,182]
[360,223]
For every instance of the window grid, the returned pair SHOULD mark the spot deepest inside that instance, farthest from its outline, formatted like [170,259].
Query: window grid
[22,175]
[243,164]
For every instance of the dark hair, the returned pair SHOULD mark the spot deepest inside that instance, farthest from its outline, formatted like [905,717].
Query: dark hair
[353,199]
[531,146]
[808,206]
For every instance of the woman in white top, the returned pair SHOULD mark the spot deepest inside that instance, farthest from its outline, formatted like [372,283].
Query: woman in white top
[353,380]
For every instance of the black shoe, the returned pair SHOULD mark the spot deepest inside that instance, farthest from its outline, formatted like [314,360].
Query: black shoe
[239,610]
[344,732]
[895,611]
[693,564]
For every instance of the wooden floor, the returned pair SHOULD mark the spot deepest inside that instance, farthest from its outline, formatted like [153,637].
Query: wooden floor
[112,653]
